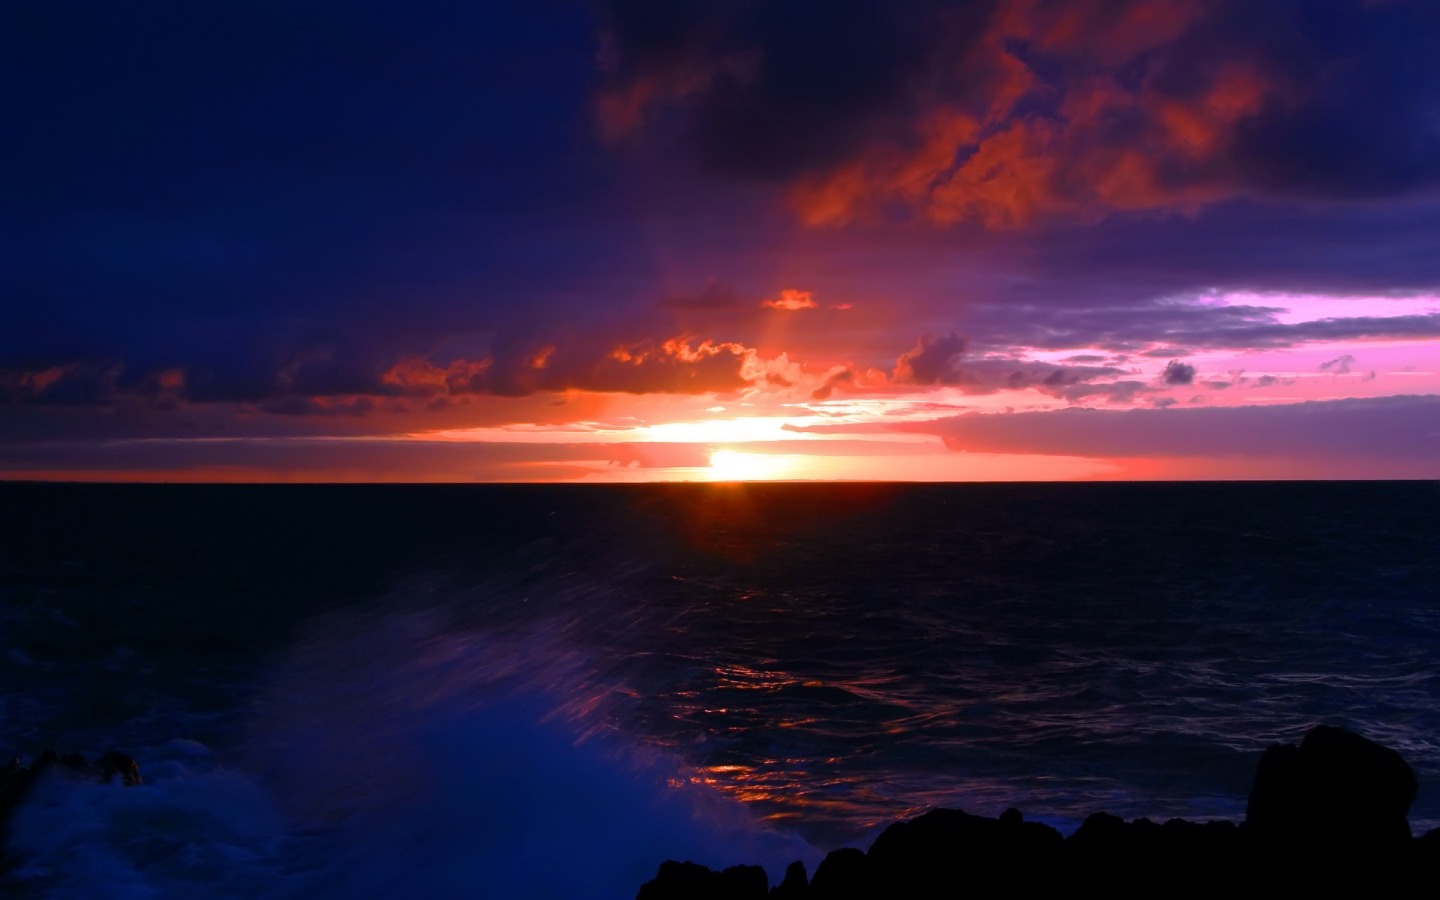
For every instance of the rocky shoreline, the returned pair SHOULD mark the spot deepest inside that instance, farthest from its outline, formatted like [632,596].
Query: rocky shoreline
[1329,814]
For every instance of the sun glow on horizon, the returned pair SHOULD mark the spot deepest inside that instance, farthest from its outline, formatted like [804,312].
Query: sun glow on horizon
[737,465]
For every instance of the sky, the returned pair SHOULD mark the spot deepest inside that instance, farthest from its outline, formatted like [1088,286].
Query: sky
[639,240]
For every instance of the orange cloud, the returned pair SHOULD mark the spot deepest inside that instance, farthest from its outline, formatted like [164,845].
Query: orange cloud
[791,300]
[1105,147]
[676,365]
[420,377]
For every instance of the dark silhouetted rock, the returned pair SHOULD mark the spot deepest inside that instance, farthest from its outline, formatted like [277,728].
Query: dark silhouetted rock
[692,881]
[1425,859]
[795,885]
[1101,834]
[1104,849]
[745,881]
[1141,855]
[844,875]
[1336,804]
[1214,845]
[948,847]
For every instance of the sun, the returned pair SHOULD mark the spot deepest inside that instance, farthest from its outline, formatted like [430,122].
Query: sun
[734,465]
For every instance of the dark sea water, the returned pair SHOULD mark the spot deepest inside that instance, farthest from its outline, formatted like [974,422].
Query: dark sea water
[544,691]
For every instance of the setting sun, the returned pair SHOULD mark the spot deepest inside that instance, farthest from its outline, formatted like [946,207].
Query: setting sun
[733,465]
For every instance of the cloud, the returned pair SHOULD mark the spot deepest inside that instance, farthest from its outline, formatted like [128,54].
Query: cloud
[677,365]
[327,385]
[790,300]
[1110,392]
[1006,113]
[82,384]
[1340,365]
[836,376]
[20,383]
[1177,373]
[773,90]
[937,361]
[1164,326]
[930,361]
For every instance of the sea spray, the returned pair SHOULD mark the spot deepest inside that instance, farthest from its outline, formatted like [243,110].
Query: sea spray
[403,749]
[498,758]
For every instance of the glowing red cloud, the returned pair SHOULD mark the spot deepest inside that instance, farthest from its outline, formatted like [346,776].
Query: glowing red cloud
[1106,147]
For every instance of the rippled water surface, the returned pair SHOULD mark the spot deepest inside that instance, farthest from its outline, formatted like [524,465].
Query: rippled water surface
[313,673]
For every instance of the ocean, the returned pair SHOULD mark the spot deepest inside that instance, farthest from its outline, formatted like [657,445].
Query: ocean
[539,691]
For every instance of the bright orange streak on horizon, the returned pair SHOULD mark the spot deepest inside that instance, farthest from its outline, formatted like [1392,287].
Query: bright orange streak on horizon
[736,465]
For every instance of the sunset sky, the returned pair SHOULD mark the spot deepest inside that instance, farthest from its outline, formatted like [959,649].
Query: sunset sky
[794,239]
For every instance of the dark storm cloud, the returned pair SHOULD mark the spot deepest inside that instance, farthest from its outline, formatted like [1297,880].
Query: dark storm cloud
[778,89]
[1007,112]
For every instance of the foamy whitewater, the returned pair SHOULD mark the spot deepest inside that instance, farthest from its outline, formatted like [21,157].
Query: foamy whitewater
[545,692]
